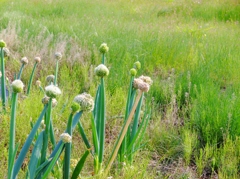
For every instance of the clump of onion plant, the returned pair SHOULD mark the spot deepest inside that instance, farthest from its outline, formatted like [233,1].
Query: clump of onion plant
[37,61]
[17,87]
[142,87]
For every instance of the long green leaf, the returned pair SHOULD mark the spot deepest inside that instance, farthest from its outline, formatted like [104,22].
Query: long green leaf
[83,135]
[80,165]
[95,137]
[52,163]
[36,154]
[27,144]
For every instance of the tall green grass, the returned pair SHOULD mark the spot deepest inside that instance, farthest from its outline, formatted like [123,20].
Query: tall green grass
[200,38]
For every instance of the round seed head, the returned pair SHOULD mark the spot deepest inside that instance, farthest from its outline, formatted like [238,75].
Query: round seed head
[54,102]
[101,70]
[66,138]
[50,79]
[17,86]
[133,72]
[146,79]
[24,60]
[58,56]
[37,59]
[6,52]
[137,65]
[141,85]
[85,101]
[2,44]
[38,83]
[52,91]
[45,100]
[103,48]
[75,107]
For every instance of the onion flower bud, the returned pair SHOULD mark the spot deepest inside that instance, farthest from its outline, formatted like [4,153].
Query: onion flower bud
[101,70]
[24,60]
[52,91]
[58,56]
[103,48]
[37,59]
[2,44]
[17,86]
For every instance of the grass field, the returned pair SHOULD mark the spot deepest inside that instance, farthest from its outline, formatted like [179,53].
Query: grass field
[190,48]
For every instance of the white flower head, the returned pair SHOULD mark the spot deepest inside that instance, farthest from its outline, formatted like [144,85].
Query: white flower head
[0,74]
[17,86]
[52,91]
[24,60]
[66,138]
[103,48]
[146,79]
[85,101]
[37,59]
[58,56]
[141,85]
[101,70]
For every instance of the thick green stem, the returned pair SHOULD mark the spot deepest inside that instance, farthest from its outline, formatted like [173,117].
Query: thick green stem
[31,78]
[56,74]
[102,124]
[12,134]
[20,72]
[67,157]
[3,82]
[103,58]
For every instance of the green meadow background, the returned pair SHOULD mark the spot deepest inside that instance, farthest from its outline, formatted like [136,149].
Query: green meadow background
[191,50]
